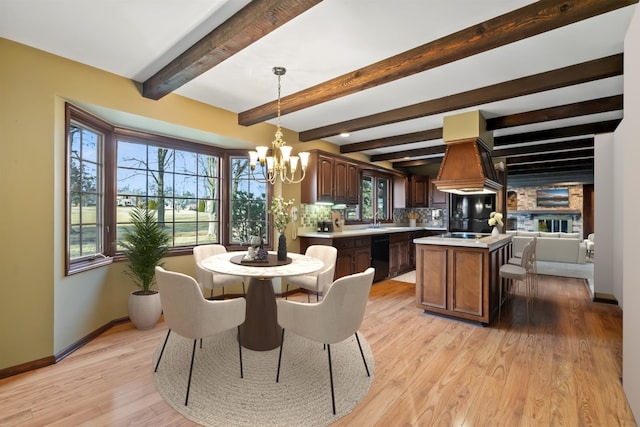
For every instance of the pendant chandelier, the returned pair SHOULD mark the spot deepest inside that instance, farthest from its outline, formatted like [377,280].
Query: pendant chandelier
[280,164]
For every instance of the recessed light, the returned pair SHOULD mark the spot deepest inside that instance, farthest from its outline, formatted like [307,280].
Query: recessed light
[344,134]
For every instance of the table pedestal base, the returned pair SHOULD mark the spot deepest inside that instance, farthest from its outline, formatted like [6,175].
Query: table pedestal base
[260,330]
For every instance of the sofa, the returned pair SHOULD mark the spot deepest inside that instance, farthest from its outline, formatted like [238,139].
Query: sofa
[557,247]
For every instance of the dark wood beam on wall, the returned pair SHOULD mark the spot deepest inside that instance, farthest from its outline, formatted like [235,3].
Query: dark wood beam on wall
[251,23]
[528,21]
[597,69]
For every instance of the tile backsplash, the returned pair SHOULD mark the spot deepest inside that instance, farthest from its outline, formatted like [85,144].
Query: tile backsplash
[427,217]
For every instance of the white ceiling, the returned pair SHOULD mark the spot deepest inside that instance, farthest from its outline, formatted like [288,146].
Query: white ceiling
[136,38]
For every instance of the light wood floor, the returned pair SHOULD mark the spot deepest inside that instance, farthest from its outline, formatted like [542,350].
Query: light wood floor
[428,370]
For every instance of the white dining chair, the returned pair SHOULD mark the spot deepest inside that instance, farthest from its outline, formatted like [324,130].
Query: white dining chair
[190,315]
[207,279]
[330,321]
[318,281]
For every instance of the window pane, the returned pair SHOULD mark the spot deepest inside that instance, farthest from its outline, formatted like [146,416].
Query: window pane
[248,203]
[131,155]
[172,180]
[84,228]
[367,197]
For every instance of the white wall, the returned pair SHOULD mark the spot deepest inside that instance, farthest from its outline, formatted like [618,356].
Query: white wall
[628,171]
[603,226]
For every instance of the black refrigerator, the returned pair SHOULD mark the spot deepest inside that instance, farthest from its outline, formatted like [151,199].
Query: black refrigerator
[470,213]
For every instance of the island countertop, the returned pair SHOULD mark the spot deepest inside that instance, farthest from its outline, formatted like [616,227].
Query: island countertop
[354,232]
[482,241]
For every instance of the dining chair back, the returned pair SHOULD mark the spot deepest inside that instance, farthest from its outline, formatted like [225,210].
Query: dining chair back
[190,315]
[321,280]
[207,279]
[332,320]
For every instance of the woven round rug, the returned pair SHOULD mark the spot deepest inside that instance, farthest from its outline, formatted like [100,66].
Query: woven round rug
[302,397]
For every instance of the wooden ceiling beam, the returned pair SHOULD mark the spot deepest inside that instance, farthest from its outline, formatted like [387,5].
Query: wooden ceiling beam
[593,106]
[552,147]
[391,141]
[427,151]
[251,23]
[575,144]
[533,19]
[550,167]
[418,162]
[569,131]
[572,75]
[551,157]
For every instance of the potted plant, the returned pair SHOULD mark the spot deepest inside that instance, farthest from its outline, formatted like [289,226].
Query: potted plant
[145,243]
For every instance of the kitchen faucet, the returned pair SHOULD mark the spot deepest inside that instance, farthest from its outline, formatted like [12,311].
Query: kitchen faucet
[376,221]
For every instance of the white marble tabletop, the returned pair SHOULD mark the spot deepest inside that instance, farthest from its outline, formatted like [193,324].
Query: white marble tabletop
[301,264]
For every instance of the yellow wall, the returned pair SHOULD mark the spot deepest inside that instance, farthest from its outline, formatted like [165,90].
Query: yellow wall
[41,311]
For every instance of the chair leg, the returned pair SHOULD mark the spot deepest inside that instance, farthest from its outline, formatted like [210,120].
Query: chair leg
[333,399]
[162,351]
[317,296]
[280,355]
[286,295]
[244,291]
[193,355]
[362,354]
[240,351]
[308,297]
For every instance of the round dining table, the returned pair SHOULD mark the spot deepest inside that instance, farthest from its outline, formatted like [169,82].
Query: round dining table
[261,331]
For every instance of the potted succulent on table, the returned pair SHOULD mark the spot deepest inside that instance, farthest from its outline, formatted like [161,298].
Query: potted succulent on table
[145,243]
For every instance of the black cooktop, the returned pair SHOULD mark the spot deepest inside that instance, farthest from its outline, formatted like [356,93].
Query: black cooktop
[464,235]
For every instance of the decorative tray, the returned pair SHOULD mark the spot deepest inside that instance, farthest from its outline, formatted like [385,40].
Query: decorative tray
[271,261]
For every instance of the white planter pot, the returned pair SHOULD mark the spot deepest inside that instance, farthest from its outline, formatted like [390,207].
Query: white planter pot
[144,310]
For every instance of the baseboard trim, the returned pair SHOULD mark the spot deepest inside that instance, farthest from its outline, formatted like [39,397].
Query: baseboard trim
[605,298]
[52,360]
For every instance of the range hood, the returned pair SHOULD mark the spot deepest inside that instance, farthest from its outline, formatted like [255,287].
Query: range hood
[467,167]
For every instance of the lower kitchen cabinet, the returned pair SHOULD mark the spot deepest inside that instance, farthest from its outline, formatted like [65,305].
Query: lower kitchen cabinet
[354,253]
[400,253]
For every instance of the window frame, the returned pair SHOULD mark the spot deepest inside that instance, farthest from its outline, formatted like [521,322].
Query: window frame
[112,134]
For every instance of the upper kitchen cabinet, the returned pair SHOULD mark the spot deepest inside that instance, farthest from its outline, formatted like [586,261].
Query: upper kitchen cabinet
[330,179]
[318,184]
[419,191]
[345,176]
[437,199]
[401,191]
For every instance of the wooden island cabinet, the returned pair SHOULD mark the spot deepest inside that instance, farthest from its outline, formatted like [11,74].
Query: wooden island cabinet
[460,277]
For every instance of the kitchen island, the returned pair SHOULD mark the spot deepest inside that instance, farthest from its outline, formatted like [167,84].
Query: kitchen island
[458,275]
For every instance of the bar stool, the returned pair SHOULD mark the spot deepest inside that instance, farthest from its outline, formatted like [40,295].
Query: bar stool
[517,272]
